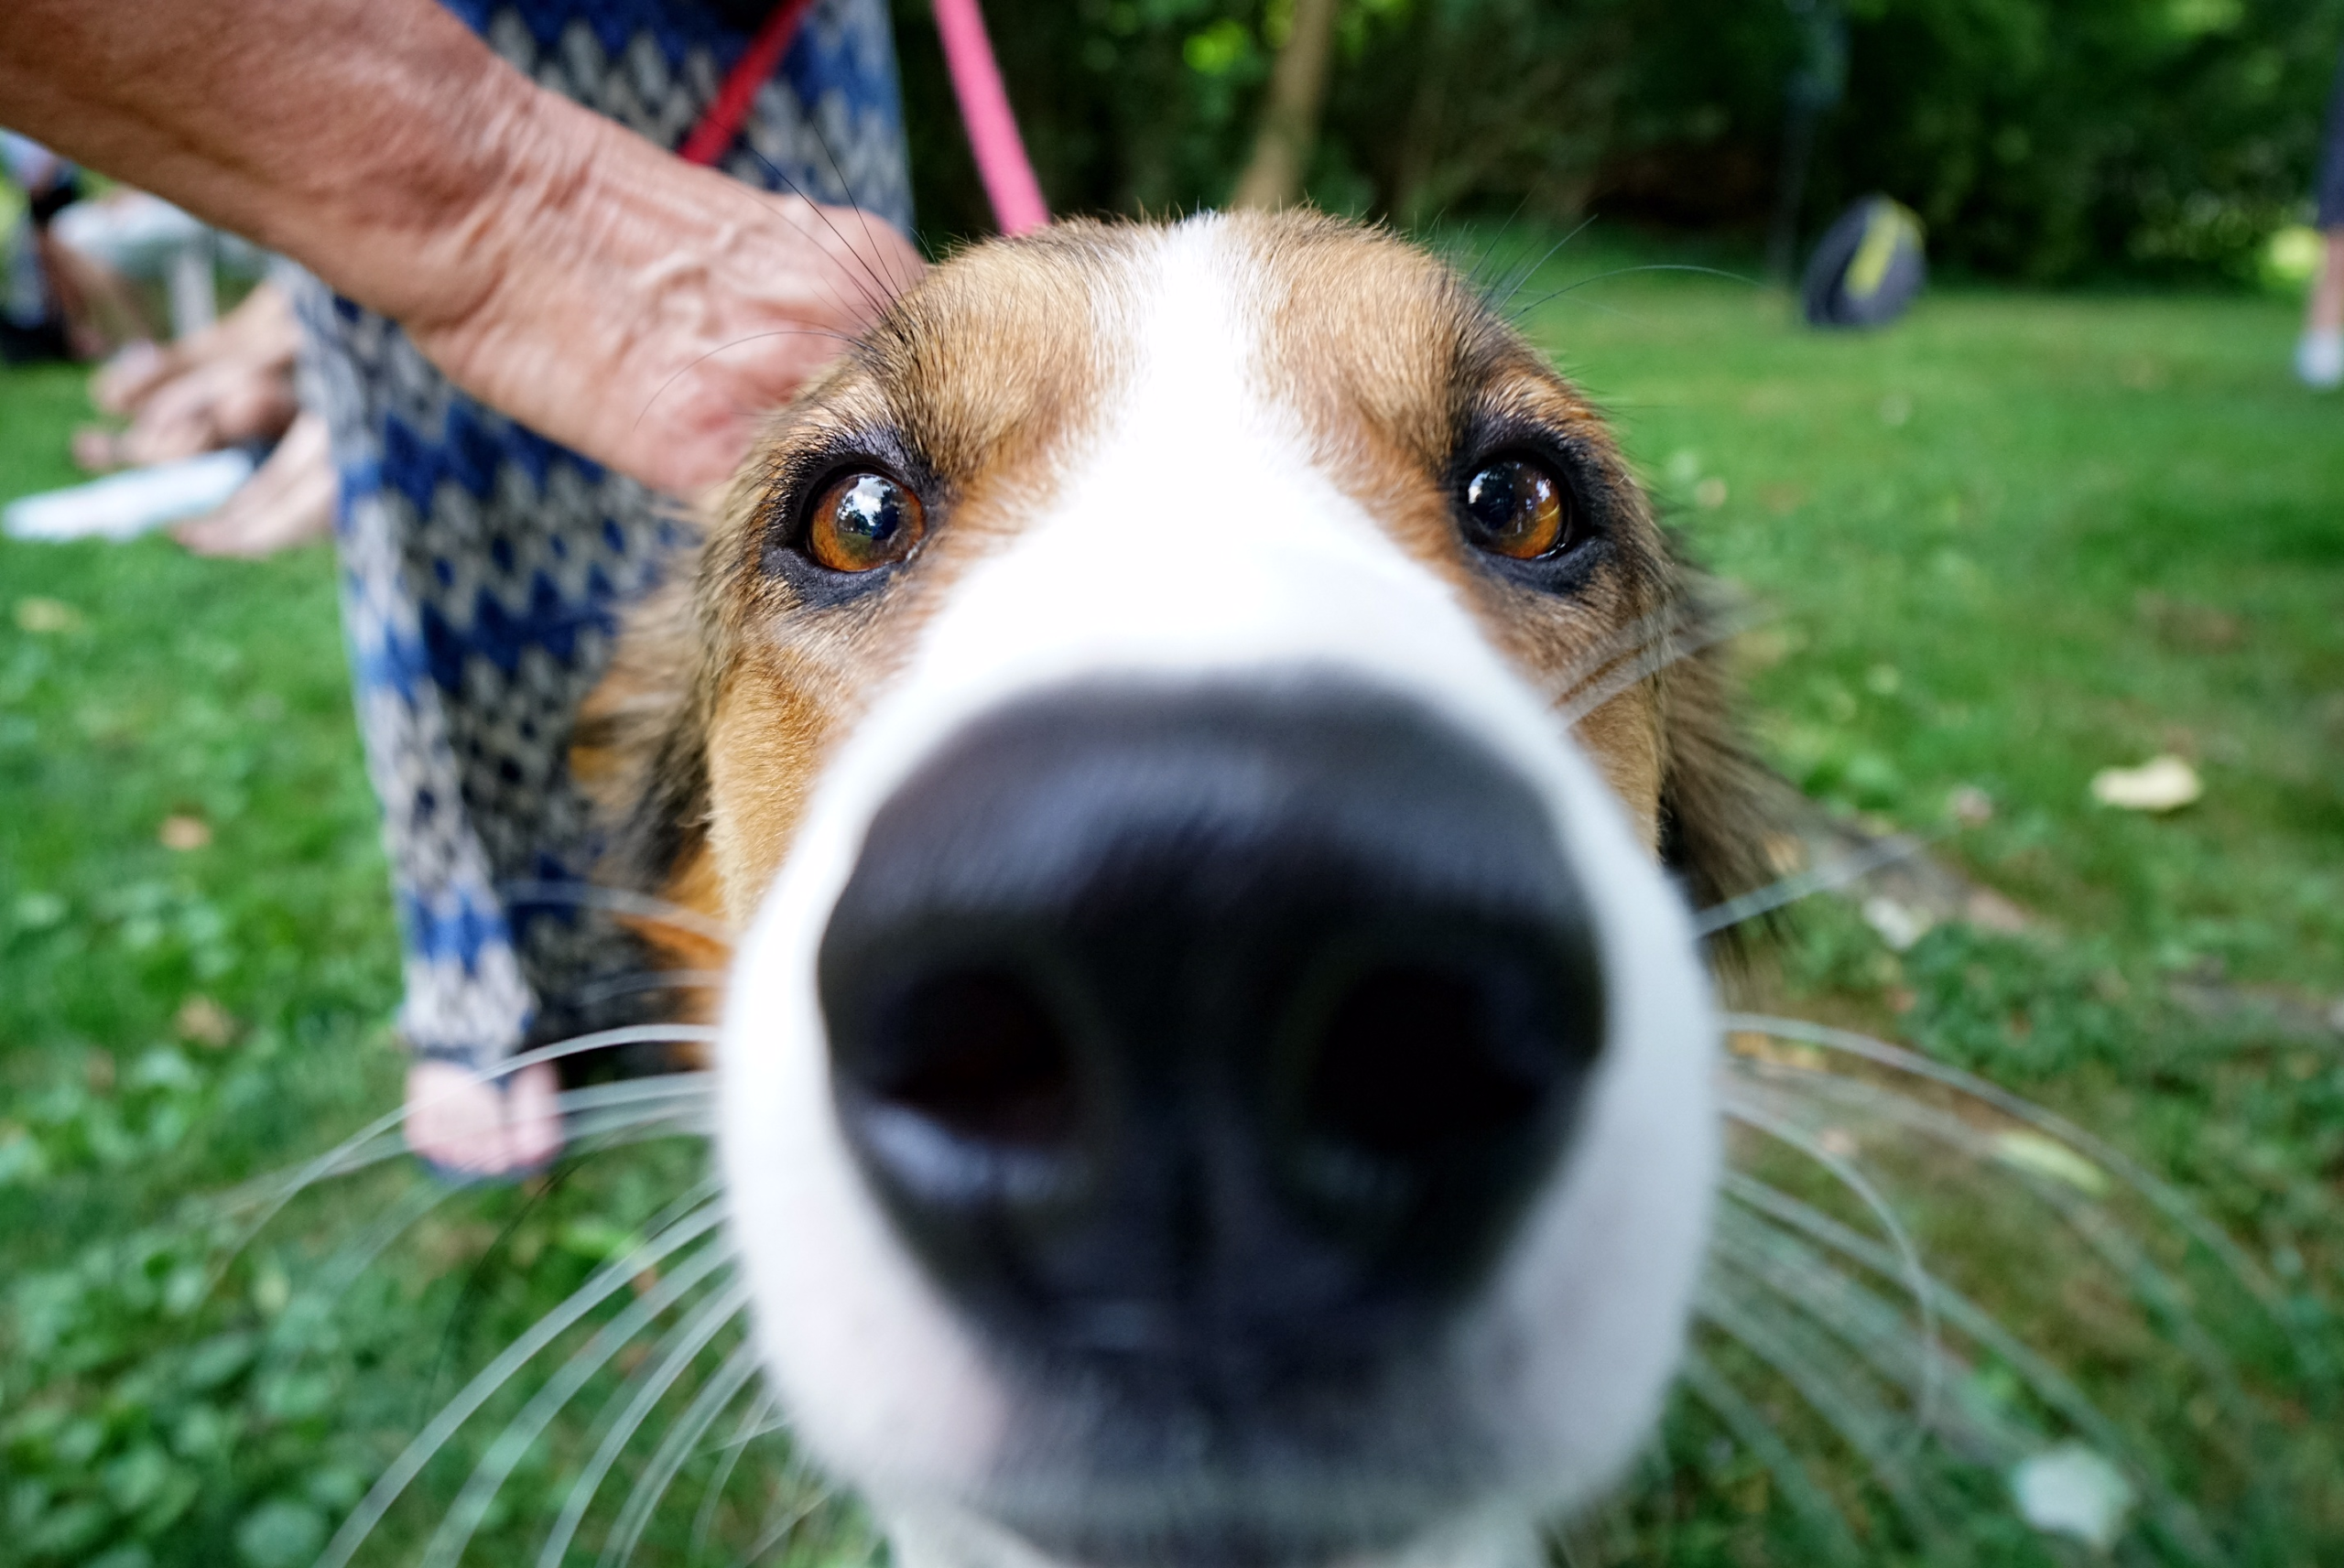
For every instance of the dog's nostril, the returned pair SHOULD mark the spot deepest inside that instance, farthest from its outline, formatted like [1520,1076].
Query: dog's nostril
[977,1053]
[1410,1062]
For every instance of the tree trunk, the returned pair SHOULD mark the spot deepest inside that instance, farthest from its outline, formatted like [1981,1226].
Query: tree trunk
[1289,128]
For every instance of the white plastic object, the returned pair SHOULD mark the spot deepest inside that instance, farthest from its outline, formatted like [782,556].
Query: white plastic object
[127,504]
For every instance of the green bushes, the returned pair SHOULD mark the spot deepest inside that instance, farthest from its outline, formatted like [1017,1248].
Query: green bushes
[2052,140]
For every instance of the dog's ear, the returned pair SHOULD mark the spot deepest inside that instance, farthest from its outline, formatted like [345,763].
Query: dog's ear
[1722,811]
[640,750]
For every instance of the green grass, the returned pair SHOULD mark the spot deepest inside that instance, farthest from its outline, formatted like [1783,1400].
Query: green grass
[2015,540]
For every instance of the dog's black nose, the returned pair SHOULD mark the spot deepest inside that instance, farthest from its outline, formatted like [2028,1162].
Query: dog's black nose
[1210,1022]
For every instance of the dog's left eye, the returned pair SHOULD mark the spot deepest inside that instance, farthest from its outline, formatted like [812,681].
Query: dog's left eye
[1516,507]
[863,521]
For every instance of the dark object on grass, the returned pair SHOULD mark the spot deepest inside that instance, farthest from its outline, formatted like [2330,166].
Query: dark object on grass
[1868,267]
[43,342]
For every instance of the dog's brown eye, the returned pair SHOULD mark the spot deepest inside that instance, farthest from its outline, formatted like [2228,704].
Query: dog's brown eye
[1515,507]
[863,521]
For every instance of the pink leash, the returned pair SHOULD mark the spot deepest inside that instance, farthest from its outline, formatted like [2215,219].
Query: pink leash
[1002,163]
[1017,204]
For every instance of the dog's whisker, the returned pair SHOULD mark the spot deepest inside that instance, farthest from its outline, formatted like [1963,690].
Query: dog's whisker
[675,1449]
[510,1445]
[1629,271]
[1829,877]
[380,1139]
[699,360]
[1712,621]
[604,1282]
[1489,250]
[658,1090]
[1777,1238]
[1654,659]
[1915,1274]
[635,905]
[762,1410]
[776,1423]
[2086,1217]
[350,1262]
[384,1143]
[1523,275]
[815,1495]
[1750,1428]
[880,293]
[1775,1340]
[1748,1249]
[274,1188]
[873,304]
[2119,1167]
[637,984]
[1623,642]
[853,202]
[2057,1392]
[1751,1252]
[682,1116]
[677,1352]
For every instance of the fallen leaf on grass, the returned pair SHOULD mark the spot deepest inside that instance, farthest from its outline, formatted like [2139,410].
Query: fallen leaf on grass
[2041,1156]
[1776,1053]
[184,833]
[2071,1490]
[2160,785]
[1900,927]
[1970,807]
[43,615]
[205,1022]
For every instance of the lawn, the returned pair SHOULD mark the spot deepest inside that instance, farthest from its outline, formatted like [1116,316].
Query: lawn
[2017,539]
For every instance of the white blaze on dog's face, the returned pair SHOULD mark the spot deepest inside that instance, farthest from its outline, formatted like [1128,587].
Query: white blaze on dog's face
[1212,1072]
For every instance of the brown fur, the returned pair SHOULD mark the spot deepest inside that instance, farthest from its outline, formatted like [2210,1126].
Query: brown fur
[731,692]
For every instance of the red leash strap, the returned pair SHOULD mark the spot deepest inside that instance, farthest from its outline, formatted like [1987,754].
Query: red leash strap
[728,110]
[1002,163]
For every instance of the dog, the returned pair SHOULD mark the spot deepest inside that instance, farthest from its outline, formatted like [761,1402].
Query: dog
[1207,756]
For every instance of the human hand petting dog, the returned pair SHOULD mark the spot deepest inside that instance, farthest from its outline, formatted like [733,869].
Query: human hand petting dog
[643,311]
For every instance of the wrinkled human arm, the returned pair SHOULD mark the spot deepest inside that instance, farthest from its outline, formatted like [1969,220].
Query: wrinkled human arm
[552,262]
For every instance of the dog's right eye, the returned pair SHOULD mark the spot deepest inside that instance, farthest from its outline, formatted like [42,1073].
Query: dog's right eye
[863,520]
[1515,507]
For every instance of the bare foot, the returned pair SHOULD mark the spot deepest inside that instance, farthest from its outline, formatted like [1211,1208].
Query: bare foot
[288,503]
[474,1126]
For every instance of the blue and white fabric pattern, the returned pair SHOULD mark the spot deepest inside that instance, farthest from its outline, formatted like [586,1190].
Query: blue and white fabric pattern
[483,567]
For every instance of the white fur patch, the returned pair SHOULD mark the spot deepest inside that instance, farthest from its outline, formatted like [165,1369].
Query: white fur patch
[1194,534]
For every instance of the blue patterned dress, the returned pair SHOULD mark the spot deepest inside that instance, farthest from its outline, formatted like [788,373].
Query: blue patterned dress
[483,566]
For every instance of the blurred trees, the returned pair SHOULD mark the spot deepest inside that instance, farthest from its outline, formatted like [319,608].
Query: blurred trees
[2045,139]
